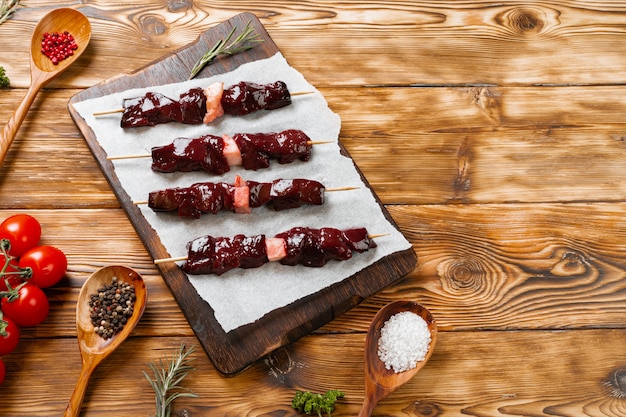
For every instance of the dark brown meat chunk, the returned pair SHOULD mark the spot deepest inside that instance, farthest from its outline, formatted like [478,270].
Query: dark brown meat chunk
[286,194]
[257,149]
[183,154]
[195,200]
[315,247]
[246,97]
[216,255]
[155,108]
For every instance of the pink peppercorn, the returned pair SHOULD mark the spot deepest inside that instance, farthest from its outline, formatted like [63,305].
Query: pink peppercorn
[57,46]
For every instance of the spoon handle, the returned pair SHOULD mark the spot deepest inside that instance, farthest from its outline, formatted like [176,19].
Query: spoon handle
[367,408]
[14,123]
[76,400]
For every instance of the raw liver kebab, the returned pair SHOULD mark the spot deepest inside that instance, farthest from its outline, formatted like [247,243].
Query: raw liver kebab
[200,105]
[240,196]
[299,245]
[217,155]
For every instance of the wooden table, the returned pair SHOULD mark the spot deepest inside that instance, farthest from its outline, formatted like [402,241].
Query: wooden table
[494,135]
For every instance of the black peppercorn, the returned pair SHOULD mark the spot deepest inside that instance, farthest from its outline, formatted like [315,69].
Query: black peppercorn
[111,306]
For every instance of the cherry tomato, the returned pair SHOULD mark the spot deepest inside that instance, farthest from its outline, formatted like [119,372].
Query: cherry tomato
[22,231]
[10,338]
[11,276]
[47,265]
[3,371]
[30,308]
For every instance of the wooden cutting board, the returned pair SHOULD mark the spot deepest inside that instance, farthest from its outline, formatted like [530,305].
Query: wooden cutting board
[234,351]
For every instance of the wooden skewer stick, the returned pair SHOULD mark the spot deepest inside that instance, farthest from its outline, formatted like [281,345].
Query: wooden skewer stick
[143,155]
[184,258]
[121,110]
[378,235]
[147,155]
[105,112]
[347,188]
[331,189]
[165,260]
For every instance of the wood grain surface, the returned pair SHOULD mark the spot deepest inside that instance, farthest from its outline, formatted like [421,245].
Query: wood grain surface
[492,132]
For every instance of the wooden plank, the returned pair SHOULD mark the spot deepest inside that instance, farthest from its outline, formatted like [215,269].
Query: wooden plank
[503,374]
[395,43]
[234,350]
[501,267]
[487,144]
[472,145]
[49,138]
[518,266]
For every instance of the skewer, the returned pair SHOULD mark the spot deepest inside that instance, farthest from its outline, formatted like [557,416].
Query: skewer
[166,260]
[104,112]
[347,188]
[377,235]
[184,258]
[122,109]
[147,155]
[300,93]
[143,155]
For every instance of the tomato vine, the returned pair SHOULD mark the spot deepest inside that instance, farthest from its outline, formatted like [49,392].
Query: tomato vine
[26,268]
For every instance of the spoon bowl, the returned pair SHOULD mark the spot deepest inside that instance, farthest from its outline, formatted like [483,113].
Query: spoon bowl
[42,70]
[59,20]
[93,348]
[380,381]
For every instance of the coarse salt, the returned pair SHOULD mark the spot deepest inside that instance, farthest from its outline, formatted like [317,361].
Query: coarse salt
[404,340]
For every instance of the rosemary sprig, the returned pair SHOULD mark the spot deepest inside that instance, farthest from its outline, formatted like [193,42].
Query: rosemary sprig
[246,40]
[6,8]
[167,379]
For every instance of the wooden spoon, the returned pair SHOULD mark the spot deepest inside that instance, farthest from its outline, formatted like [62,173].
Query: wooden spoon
[42,70]
[93,348]
[379,381]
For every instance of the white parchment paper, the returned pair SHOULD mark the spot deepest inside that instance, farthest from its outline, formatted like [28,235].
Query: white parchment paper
[239,296]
